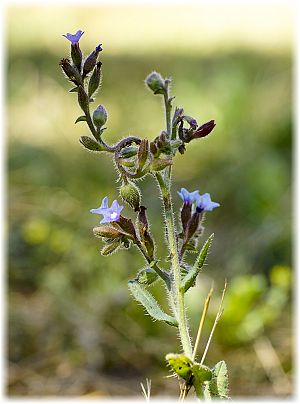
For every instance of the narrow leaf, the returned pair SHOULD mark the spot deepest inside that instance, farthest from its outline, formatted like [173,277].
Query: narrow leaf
[191,276]
[150,304]
[81,119]
[73,90]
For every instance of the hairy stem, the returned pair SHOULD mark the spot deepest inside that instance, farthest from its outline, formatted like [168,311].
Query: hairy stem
[177,295]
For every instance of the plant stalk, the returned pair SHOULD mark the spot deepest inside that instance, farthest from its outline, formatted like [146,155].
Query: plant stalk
[177,295]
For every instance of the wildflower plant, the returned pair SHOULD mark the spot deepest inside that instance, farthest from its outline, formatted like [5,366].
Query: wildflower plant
[135,158]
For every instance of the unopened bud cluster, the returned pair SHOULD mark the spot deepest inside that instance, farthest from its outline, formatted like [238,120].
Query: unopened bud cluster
[86,74]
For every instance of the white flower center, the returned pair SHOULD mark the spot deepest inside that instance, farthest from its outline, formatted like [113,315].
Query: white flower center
[113,215]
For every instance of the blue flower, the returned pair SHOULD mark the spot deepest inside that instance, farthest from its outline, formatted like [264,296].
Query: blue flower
[74,38]
[111,214]
[204,203]
[188,197]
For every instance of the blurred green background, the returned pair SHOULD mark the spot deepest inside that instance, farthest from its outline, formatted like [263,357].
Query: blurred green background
[73,328]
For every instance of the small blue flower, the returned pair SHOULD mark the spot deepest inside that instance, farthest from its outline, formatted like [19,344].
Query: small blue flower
[74,38]
[204,203]
[99,48]
[188,197]
[111,214]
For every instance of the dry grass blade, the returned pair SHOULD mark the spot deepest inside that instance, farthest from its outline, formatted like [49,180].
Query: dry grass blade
[206,305]
[146,391]
[219,314]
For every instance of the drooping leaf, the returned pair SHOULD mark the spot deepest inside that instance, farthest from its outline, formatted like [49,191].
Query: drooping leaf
[150,304]
[191,276]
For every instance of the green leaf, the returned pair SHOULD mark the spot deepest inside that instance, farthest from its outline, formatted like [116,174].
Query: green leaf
[201,374]
[81,118]
[218,385]
[90,144]
[191,276]
[74,90]
[150,304]
[181,365]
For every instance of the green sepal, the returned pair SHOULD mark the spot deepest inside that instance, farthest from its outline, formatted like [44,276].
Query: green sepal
[81,118]
[190,277]
[217,387]
[74,90]
[90,144]
[110,248]
[181,365]
[149,303]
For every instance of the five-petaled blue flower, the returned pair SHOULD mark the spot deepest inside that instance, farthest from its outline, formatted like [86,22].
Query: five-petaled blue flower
[74,38]
[188,197]
[111,214]
[204,203]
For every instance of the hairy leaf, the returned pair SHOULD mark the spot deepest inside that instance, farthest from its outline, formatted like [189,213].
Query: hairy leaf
[191,276]
[150,304]
[201,374]
[218,385]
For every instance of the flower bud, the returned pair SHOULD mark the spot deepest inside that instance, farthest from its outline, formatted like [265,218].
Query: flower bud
[202,131]
[106,232]
[70,71]
[156,83]
[100,116]
[91,61]
[130,194]
[95,79]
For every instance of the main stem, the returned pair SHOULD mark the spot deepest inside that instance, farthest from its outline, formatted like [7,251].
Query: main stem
[177,295]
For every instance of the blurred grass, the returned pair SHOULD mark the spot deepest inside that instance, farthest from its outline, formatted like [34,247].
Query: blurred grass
[73,327]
